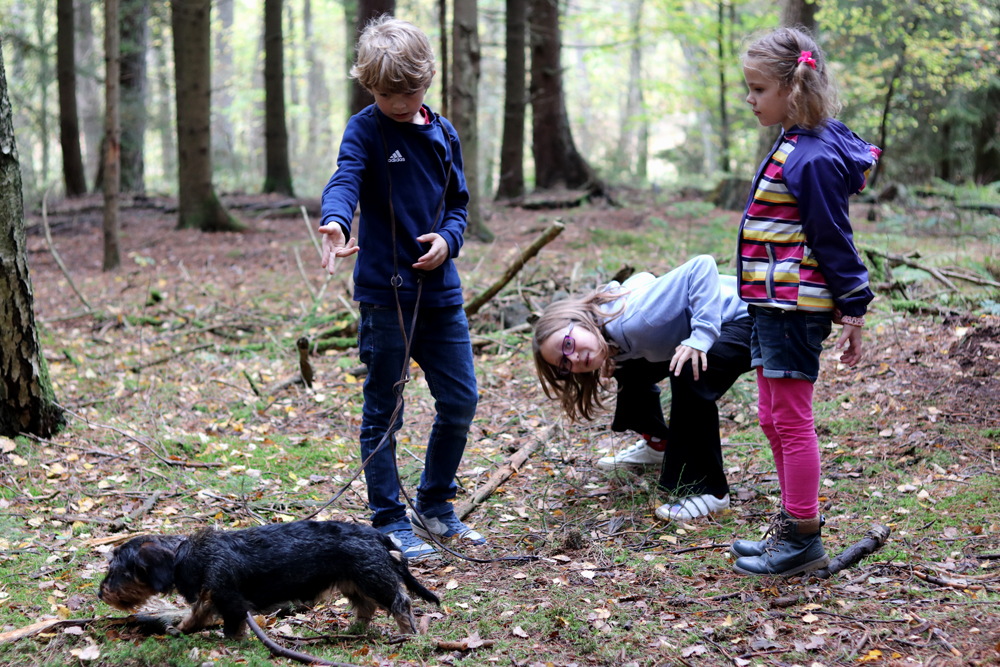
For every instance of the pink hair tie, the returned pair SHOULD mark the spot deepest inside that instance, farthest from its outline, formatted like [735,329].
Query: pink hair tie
[806,57]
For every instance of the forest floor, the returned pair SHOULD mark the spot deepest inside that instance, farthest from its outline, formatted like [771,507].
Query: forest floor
[174,393]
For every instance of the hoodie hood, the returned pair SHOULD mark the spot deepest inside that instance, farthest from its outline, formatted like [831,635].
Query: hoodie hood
[859,156]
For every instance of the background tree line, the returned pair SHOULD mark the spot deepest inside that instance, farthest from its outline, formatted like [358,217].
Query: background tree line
[629,91]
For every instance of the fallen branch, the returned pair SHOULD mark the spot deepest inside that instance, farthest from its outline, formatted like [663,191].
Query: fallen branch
[312,233]
[969,278]
[506,470]
[163,360]
[55,255]
[302,272]
[119,524]
[897,260]
[874,540]
[482,341]
[41,626]
[282,652]
[304,366]
[554,230]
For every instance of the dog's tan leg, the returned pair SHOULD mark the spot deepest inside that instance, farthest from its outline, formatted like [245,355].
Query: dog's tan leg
[201,615]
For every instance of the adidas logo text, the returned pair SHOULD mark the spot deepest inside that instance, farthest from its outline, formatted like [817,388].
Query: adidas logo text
[396,157]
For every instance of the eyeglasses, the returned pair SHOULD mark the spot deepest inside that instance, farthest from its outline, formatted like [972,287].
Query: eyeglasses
[568,345]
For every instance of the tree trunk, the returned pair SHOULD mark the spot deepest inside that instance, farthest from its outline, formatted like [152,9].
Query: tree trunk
[511,183]
[723,111]
[557,162]
[223,133]
[443,28]
[464,105]
[69,122]
[164,114]
[318,97]
[88,93]
[112,139]
[134,22]
[292,77]
[632,112]
[44,77]
[986,168]
[197,205]
[278,173]
[364,11]
[27,402]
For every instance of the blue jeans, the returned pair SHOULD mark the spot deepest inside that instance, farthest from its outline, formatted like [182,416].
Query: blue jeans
[787,343]
[442,348]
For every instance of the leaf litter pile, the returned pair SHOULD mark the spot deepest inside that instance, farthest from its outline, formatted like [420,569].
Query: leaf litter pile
[186,407]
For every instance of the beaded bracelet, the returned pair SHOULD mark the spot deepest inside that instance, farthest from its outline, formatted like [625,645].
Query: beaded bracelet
[853,321]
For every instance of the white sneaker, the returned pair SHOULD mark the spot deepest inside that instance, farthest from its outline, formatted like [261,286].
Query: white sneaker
[638,455]
[693,507]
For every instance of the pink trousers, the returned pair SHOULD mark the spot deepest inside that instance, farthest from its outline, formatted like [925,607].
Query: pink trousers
[786,416]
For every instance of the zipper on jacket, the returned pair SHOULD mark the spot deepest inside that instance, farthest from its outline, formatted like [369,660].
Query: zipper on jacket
[769,281]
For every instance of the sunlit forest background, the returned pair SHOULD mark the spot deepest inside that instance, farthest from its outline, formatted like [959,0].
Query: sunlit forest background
[919,78]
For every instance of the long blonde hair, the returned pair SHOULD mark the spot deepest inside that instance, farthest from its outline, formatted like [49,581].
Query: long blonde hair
[812,98]
[578,393]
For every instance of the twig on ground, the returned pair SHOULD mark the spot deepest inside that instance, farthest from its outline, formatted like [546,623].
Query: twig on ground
[120,524]
[163,360]
[55,255]
[281,652]
[302,272]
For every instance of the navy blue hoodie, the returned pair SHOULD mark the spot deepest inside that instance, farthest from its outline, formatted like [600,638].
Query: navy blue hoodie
[418,158]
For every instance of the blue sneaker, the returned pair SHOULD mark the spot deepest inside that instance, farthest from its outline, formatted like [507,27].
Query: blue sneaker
[412,546]
[446,527]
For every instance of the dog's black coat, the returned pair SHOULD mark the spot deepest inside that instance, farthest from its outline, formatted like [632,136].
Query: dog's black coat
[228,573]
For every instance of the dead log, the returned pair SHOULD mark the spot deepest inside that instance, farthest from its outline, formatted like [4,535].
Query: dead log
[874,540]
[506,470]
[554,230]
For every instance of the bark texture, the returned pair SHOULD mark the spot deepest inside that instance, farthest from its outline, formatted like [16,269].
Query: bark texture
[27,403]
[278,173]
[197,206]
[557,161]
[134,16]
[69,120]
[464,105]
[511,183]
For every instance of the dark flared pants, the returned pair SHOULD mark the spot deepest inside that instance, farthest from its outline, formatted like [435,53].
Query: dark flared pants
[693,461]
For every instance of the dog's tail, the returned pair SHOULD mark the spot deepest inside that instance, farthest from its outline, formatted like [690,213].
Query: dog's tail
[415,586]
[400,563]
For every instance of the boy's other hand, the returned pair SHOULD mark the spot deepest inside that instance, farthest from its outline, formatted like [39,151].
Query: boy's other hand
[435,256]
[851,337]
[334,245]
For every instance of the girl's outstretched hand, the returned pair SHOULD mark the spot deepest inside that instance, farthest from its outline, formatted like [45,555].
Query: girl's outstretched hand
[851,337]
[681,356]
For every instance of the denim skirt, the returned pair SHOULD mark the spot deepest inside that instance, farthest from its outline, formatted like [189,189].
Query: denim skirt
[787,343]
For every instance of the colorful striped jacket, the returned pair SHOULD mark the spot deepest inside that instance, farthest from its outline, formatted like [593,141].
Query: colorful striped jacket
[796,248]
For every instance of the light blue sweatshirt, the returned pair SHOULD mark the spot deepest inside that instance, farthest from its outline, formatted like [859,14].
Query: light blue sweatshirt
[684,307]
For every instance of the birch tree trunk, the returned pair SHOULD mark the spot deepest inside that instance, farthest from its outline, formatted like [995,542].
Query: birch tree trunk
[278,173]
[197,205]
[112,130]
[164,114]
[69,122]
[27,402]
[511,183]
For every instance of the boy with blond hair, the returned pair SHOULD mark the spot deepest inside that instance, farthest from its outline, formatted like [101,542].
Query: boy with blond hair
[403,163]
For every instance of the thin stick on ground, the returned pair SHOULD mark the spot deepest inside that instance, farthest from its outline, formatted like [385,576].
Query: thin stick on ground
[55,255]
[282,652]
[312,232]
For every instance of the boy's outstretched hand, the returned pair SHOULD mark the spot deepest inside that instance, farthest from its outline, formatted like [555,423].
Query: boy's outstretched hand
[334,245]
[435,256]
[851,337]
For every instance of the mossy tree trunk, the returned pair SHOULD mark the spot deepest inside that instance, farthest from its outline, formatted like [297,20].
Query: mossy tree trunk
[27,403]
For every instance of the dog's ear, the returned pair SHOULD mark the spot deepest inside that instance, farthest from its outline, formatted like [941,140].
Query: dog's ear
[158,563]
